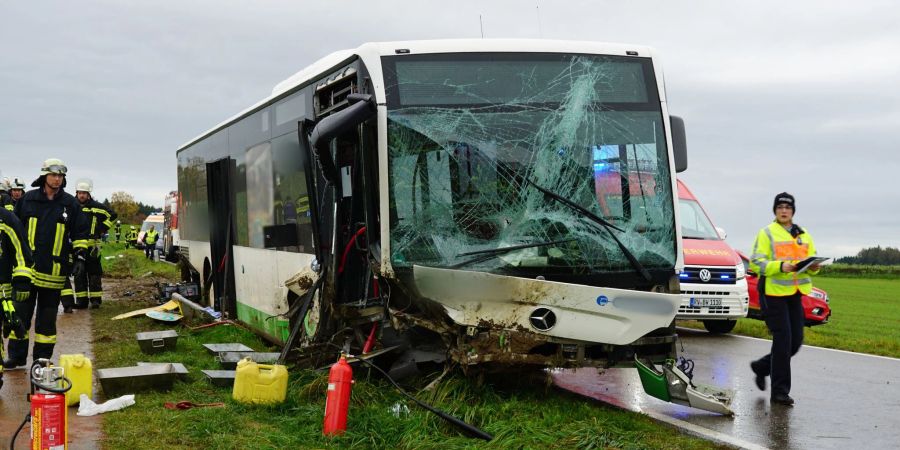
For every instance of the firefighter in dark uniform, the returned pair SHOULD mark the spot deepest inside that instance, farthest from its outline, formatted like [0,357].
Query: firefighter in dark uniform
[15,276]
[5,200]
[57,234]
[89,286]
[16,190]
[119,231]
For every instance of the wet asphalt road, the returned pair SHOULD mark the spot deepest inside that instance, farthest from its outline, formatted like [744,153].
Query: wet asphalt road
[74,336]
[843,400]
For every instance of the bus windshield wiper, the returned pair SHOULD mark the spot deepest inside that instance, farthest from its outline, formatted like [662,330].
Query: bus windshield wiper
[596,219]
[494,252]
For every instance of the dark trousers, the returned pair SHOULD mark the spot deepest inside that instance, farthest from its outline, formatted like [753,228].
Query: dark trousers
[89,285]
[46,301]
[150,250]
[784,317]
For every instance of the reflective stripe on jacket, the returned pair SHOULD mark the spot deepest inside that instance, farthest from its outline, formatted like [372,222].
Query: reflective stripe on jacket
[15,256]
[775,245]
[54,228]
[100,219]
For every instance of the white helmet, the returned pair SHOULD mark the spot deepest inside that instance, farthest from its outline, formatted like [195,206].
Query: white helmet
[54,165]
[85,185]
[5,185]
[17,184]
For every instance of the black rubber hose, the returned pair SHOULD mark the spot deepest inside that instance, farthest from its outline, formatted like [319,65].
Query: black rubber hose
[12,444]
[471,430]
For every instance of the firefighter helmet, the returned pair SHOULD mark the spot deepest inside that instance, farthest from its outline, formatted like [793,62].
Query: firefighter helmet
[17,184]
[84,184]
[53,165]
[5,185]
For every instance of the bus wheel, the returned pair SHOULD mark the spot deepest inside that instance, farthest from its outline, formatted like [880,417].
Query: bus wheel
[719,326]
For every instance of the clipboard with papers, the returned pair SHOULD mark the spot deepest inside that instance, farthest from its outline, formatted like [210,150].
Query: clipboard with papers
[812,260]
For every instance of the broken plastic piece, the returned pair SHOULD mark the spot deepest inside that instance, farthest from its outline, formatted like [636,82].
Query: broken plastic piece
[168,306]
[673,385]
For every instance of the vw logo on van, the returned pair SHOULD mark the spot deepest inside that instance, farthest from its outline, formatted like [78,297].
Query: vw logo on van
[705,276]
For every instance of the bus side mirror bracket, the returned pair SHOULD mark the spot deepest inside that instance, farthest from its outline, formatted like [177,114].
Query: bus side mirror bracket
[362,108]
[679,143]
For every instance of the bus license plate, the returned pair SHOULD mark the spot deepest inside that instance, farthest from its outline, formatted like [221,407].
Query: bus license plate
[706,302]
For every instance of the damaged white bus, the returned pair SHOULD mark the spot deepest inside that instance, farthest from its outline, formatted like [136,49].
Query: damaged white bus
[442,199]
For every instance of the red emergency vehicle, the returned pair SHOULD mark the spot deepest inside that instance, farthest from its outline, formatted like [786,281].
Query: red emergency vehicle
[713,285]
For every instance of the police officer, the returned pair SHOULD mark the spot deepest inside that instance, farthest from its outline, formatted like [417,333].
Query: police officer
[89,285]
[57,234]
[15,277]
[776,252]
[150,238]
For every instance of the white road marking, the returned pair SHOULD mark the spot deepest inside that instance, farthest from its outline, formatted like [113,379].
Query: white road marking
[825,348]
[705,433]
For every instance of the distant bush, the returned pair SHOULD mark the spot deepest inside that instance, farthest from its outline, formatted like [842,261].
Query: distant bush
[838,270]
[887,256]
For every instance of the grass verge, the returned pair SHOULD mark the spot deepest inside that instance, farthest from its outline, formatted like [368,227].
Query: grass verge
[865,317]
[519,416]
[119,262]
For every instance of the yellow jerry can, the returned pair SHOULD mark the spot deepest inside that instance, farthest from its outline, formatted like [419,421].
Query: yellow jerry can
[259,383]
[78,369]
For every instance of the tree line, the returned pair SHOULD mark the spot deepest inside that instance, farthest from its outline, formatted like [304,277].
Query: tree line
[129,210]
[876,256]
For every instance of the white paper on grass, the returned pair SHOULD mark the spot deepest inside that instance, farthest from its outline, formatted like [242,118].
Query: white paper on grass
[87,407]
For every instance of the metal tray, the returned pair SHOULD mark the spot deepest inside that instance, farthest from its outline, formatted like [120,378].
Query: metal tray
[118,381]
[180,371]
[231,347]
[221,378]
[157,341]
[229,360]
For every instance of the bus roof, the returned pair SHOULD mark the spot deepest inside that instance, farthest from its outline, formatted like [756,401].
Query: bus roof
[372,52]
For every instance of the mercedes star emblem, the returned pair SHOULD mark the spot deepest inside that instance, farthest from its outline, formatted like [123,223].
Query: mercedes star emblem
[542,319]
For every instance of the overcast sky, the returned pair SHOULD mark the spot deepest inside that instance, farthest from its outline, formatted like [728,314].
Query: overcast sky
[777,96]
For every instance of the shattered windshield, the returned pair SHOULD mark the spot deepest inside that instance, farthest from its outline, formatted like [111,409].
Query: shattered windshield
[470,136]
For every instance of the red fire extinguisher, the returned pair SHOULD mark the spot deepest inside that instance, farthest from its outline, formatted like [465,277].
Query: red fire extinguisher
[48,421]
[48,407]
[337,400]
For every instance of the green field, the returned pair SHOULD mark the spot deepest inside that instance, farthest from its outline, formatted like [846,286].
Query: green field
[520,412]
[865,317]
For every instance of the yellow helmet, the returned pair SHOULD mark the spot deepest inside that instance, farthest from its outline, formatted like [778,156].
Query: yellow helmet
[53,165]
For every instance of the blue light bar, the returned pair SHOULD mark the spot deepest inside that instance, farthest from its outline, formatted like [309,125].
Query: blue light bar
[683,275]
[724,277]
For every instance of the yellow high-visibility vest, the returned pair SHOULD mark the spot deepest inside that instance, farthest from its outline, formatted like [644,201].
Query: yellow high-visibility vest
[775,245]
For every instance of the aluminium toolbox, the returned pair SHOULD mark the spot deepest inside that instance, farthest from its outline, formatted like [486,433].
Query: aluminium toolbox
[221,378]
[118,381]
[157,341]
[215,349]
[180,371]
[229,360]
